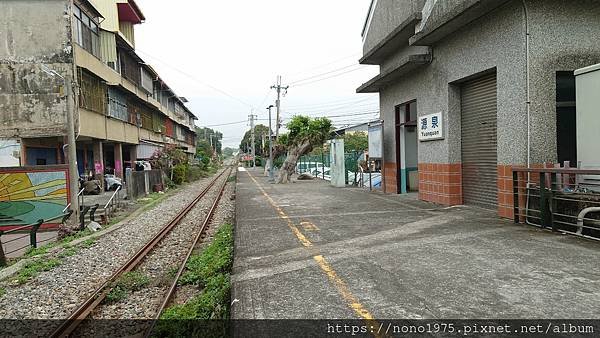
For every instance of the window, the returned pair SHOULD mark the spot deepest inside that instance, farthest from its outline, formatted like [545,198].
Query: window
[117,105]
[566,122]
[158,123]
[146,80]
[146,118]
[130,68]
[86,32]
[171,105]
[133,110]
[92,93]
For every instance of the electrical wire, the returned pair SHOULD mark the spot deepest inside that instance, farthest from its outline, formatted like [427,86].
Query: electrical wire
[197,80]
[266,97]
[332,103]
[326,78]
[224,124]
[363,107]
[340,116]
[326,73]
[327,64]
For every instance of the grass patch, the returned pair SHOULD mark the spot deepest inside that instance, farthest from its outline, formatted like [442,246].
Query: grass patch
[77,235]
[32,252]
[68,251]
[34,268]
[37,251]
[210,271]
[215,259]
[129,281]
[2,292]
[88,242]
[231,178]
[173,271]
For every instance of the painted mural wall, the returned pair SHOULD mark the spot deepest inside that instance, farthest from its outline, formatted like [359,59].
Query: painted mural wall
[28,194]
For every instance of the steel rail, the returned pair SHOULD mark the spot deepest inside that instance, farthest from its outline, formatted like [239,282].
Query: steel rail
[169,295]
[92,302]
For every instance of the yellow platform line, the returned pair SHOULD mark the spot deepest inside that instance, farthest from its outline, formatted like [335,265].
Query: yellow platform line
[325,267]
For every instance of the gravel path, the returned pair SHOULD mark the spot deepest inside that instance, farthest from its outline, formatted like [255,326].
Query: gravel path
[159,264]
[56,293]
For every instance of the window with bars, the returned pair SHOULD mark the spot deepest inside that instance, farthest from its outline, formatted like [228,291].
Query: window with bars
[169,127]
[86,32]
[117,105]
[130,68]
[158,123]
[146,118]
[92,92]
[133,110]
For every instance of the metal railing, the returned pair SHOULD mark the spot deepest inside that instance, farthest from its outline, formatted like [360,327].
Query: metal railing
[554,198]
[32,234]
[112,203]
[80,198]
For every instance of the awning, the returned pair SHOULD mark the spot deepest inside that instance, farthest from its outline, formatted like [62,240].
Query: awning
[392,42]
[130,12]
[405,66]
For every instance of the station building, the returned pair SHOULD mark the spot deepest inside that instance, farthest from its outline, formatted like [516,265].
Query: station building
[471,88]
[123,110]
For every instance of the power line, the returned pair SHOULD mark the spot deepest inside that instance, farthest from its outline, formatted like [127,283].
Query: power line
[197,80]
[224,124]
[326,78]
[326,73]
[265,99]
[327,64]
[363,112]
[355,107]
[332,103]
[343,115]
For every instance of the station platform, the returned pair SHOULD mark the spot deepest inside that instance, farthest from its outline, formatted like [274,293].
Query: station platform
[307,250]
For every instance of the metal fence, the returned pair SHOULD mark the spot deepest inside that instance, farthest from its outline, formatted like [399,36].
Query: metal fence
[29,232]
[564,200]
[318,165]
[141,183]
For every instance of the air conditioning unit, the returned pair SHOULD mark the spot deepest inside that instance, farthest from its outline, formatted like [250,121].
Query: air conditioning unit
[588,123]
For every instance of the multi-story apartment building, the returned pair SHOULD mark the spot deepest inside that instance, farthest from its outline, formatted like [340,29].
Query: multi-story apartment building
[123,110]
[471,88]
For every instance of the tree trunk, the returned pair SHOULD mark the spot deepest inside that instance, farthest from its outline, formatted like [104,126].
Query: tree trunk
[289,166]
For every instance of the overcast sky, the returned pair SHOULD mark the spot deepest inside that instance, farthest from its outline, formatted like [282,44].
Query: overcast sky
[224,55]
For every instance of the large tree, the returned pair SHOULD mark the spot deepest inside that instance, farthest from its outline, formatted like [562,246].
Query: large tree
[260,132]
[228,152]
[304,134]
[356,141]
[211,136]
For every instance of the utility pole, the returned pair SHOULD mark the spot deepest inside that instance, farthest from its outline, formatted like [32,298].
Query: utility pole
[278,87]
[271,178]
[72,148]
[253,142]
[71,144]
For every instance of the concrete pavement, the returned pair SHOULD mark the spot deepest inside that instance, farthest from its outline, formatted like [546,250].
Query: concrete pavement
[309,251]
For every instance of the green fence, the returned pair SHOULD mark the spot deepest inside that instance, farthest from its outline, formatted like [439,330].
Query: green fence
[319,164]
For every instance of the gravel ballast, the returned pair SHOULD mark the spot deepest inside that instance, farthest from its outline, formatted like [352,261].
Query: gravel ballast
[55,294]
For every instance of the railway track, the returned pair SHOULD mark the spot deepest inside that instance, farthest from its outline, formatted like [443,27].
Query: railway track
[95,300]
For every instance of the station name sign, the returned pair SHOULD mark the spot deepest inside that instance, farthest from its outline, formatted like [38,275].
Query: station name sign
[431,127]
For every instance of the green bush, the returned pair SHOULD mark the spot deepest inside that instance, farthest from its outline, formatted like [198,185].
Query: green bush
[180,173]
[209,270]
[195,173]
